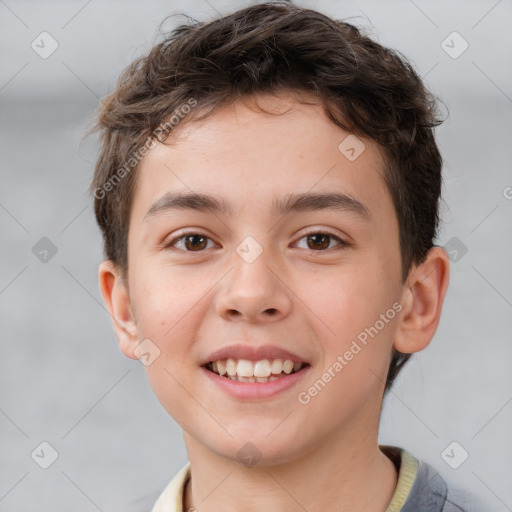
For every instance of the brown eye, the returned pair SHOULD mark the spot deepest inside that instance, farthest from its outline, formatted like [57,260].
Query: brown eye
[189,242]
[195,242]
[318,241]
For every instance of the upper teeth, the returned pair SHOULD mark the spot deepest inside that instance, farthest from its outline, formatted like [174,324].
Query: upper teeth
[247,368]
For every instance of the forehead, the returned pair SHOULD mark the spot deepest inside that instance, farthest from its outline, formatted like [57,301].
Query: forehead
[251,160]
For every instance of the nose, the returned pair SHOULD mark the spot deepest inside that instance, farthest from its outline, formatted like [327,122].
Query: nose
[254,292]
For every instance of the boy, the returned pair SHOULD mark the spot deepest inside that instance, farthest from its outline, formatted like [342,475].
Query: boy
[268,191]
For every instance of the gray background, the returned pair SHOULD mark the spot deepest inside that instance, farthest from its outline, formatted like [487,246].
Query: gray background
[63,379]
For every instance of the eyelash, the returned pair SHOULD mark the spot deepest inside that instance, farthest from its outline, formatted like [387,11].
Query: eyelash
[341,243]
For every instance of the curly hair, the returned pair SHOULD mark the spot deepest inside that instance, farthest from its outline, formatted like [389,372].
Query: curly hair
[364,88]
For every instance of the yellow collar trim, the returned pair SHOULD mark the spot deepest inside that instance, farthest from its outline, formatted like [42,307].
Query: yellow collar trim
[172,496]
[406,475]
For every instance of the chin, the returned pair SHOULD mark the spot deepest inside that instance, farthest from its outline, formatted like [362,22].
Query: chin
[258,450]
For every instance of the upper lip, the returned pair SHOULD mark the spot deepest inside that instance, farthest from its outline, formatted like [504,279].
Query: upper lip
[252,353]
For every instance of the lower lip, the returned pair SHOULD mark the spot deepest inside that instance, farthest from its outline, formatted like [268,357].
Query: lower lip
[251,390]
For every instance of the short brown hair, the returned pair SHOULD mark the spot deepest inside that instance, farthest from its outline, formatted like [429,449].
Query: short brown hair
[364,88]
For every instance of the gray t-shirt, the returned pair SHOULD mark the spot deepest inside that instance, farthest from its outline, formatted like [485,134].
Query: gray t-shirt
[420,488]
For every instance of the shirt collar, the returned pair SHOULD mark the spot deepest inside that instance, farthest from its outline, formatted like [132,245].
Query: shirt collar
[407,467]
[171,499]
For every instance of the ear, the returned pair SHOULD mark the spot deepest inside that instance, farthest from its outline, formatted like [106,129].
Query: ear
[117,299]
[422,301]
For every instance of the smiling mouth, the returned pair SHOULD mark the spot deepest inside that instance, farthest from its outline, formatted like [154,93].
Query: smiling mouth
[244,370]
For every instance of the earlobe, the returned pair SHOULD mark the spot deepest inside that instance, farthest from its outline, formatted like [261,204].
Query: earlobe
[117,300]
[422,301]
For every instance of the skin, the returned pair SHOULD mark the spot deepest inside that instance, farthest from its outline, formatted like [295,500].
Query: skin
[192,303]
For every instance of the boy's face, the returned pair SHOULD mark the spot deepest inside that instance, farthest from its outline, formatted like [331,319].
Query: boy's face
[308,295]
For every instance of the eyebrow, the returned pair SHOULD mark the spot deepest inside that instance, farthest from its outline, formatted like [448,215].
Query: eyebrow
[280,206]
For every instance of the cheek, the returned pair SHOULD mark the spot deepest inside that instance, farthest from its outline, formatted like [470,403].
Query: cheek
[168,317]
[356,357]
[350,299]
[170,306]
[356,308]
[163,298]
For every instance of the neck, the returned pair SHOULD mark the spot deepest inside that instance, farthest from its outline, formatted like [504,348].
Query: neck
[352,474]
